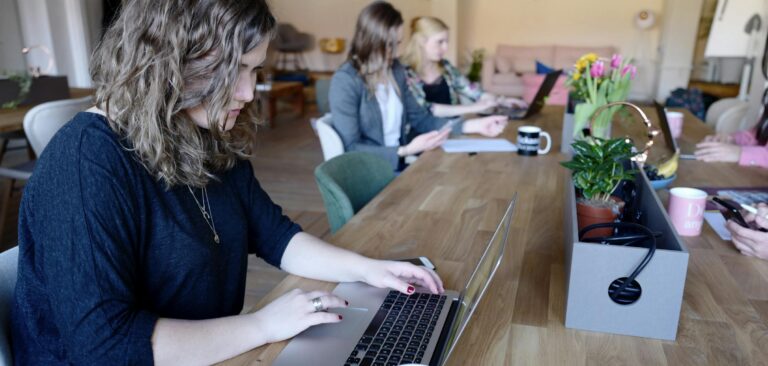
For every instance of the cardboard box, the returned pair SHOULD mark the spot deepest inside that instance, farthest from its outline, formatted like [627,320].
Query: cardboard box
[591,268]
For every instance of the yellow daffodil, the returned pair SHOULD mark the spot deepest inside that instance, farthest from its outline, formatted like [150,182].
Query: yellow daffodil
[576,75]
[591,57]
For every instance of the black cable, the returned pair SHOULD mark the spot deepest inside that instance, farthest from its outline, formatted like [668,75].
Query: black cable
[625,240]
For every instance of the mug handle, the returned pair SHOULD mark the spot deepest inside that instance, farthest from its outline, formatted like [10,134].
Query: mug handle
[549,143]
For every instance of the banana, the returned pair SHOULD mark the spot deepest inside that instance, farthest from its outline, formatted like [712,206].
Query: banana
[669,167]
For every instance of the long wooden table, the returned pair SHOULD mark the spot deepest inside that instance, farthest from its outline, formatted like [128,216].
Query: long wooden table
[446,206]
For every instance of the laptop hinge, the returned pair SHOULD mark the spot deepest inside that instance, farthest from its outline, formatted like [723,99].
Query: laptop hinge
[440,345]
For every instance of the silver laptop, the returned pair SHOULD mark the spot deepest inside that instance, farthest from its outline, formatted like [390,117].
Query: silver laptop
[384,327]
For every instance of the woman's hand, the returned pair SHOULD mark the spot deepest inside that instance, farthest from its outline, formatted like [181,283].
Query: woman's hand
[724,138]
[294,312]
[490,126]
[401,276]
[513,102]
[718,151]
[425,142]
[751,242]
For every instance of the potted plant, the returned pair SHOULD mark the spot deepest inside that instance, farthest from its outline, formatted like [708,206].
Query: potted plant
[476,66]
[598,168]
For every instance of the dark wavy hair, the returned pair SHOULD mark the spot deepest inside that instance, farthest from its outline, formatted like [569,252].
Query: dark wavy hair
[160,57]
[375,41]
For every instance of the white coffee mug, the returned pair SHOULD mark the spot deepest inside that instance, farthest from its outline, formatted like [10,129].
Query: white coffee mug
[529,140]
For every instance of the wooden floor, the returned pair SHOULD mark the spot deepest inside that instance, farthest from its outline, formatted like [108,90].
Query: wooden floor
[284,163]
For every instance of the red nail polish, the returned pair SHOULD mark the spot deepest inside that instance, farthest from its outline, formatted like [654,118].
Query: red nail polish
[411,289]
[340,317]
[346,302]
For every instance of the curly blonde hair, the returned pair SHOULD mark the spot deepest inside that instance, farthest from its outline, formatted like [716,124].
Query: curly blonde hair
[162,57]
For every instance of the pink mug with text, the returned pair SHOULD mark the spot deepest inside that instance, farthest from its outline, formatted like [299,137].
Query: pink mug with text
[675,120]
[686,210]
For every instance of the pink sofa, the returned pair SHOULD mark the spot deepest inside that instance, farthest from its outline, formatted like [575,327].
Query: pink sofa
[504,71]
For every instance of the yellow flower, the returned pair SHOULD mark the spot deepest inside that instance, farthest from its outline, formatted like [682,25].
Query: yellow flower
[591,57]
[576,75]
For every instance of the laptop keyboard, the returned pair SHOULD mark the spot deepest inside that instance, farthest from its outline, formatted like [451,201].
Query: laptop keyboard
[400,331]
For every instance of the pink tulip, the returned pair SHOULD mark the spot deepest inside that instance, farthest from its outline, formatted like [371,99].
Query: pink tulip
[615,60]
[597,69]
[633,72]
[626,69]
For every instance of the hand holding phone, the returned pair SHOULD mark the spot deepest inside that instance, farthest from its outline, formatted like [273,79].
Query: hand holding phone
[731,212]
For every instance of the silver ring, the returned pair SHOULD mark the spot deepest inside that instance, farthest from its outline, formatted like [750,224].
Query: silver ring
[318,304]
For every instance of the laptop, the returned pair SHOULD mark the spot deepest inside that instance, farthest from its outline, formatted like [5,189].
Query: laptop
[385,327]
[536,104]
[661,112]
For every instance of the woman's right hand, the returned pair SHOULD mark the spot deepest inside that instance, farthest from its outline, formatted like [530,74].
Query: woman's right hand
[724,138]
[425,142]
[294,312]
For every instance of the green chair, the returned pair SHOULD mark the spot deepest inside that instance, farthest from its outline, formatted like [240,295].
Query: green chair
[348,181]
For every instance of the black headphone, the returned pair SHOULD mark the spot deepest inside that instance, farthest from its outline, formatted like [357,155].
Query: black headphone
[625,290]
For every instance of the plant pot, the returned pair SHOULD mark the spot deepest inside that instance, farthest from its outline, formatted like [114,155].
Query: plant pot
[589,214]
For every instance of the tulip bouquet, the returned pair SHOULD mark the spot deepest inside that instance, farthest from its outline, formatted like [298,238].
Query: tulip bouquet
[597,84]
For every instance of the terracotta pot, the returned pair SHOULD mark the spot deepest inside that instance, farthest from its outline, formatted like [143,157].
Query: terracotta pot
[589,215]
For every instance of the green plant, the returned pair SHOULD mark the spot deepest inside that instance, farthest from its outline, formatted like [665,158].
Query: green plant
[598,166]
[24,81]
[476,67]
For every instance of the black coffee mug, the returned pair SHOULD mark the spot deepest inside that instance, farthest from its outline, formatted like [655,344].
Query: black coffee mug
[529,140]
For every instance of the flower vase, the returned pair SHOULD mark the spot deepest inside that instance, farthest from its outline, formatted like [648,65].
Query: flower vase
[599,126]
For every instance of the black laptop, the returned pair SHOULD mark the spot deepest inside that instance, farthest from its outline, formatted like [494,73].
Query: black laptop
[536,104]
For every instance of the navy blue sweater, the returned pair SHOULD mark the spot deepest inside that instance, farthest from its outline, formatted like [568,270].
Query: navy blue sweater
[105,250]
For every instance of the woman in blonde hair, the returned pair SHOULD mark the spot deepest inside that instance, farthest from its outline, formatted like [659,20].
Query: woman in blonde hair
[135,228]
[438,85]
[371,106]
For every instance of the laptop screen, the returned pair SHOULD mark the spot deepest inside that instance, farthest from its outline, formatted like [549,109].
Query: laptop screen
[480,279]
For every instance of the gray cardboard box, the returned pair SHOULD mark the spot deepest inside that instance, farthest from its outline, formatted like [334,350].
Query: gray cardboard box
[590,269]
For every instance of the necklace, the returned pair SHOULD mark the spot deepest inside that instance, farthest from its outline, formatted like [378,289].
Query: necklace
[206,215]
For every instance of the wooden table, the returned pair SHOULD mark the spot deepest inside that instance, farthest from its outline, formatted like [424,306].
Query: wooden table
[446,206]
[282,89]
[13,119]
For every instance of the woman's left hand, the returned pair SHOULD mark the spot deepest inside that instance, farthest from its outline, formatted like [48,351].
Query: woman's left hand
[490,126]
[718,151]
[401,276]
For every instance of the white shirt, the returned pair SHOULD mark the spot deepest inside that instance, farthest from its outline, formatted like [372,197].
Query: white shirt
[391,113]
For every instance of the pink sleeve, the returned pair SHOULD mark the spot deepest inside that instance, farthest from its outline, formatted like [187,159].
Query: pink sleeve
[745,138]
[754,156]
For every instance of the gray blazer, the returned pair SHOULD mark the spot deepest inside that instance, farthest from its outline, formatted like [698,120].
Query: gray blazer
[357,118]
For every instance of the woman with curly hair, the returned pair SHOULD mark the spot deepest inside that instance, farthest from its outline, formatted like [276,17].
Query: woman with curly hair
[135,228]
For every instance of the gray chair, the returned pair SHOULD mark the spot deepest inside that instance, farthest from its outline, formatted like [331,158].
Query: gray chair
[9,261]
[291,44]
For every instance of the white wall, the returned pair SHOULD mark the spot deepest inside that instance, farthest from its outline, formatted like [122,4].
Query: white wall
[59,25]
[11,58]
[336,18]
[679,27]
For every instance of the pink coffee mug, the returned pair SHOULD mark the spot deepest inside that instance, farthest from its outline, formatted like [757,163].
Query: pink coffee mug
[686,210]
[675,120]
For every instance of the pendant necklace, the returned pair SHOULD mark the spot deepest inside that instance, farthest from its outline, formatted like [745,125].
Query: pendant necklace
[205,209]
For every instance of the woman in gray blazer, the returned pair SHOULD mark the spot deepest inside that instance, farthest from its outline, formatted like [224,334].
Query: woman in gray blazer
[372,107]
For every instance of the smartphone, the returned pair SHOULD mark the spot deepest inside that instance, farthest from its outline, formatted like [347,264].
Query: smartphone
[449,125]
[421,261]
[731,212]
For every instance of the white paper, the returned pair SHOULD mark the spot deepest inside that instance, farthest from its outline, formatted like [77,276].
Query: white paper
[478,145]
[716,220]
